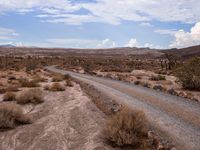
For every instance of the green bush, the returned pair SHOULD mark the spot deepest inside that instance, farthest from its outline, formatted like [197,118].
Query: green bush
[189,74]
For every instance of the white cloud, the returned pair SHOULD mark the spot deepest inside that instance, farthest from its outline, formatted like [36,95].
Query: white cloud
[18,5]
[69,19]
[146,24]
[6,34]
[132,43]
[143,10]
[166,31]
[80,43]
[107,43]
[186,39]
[108,11]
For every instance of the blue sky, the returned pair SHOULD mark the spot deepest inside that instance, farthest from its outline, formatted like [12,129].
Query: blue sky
[100,23]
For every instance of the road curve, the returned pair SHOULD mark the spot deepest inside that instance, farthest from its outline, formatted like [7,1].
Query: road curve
[174,117]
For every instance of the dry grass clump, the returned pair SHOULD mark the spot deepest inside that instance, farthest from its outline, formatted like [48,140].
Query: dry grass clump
[68,83]
[9,96]
[67,77]
[68,80]
[58,78]
[54,87]
[28,83]
[12,88]
[157,78]
[127,128]
[12,115]
[34,96]
[38,78]
[189,74]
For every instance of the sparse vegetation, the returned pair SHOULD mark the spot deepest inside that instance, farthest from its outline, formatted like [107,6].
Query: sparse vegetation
[127,128]
[54,87]
[38,78]
[189,74]
[58,78]
[157,77]
[68,80]
[103,102]
[67,77]
[12,115]
[12,88]
[68,83]
[28,83]
[9,96]
[34,96]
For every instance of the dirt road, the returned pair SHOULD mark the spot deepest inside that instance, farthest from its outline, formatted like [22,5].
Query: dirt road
[176,118]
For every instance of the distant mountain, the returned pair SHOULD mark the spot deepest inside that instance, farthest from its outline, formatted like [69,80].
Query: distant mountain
[7,46]
[185,52]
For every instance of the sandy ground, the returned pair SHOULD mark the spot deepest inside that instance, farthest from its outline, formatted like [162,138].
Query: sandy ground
[66,120]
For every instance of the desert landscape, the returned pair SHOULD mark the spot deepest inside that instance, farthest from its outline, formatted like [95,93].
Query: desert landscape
[99,75]
[73,101]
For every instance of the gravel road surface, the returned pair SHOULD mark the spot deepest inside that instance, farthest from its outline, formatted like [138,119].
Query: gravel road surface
[176,118]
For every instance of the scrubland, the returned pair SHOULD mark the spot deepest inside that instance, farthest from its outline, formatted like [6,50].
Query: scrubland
[28,94]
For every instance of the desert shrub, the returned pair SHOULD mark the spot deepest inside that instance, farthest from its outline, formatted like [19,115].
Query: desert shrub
[12,115]
[28,83]
[137,82]
[38,78]
[67,77]
[12,88]
[55,87]
[68,83]
[127,128]
[34,96]
[9,96]
[157,78]
[189,74]
[58,78]
[30,66]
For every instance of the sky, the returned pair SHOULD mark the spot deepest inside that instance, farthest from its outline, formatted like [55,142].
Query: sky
[157,24]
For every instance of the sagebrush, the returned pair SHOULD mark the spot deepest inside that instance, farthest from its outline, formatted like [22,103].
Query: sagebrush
[12,115]
[34,96]
[127,128]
